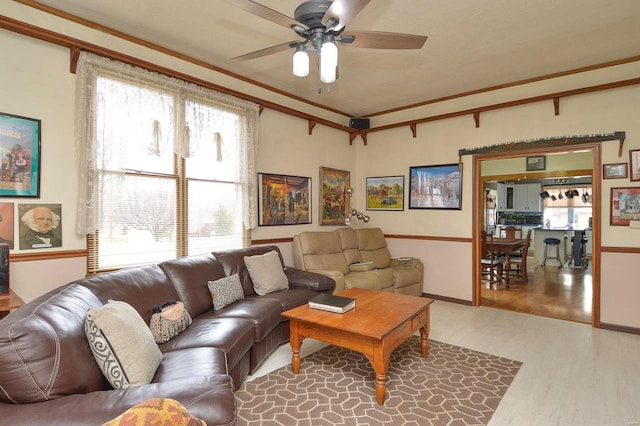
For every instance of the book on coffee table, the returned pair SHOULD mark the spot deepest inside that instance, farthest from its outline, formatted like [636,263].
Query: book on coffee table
[332,303]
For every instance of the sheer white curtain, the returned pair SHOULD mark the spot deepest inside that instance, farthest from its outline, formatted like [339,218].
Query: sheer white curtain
[175,120]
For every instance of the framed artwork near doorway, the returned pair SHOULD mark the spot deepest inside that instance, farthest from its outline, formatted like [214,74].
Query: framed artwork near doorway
[615,171]
[436,187]
[625,205]
[634,165]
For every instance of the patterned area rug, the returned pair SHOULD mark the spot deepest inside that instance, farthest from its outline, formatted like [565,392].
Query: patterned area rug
[452,386]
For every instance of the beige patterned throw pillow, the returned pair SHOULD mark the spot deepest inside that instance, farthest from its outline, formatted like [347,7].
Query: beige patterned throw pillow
[122,344]
[225,291]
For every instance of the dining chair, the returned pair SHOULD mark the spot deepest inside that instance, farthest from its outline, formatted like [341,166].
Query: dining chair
[492,263]
[511,232]
[518,263]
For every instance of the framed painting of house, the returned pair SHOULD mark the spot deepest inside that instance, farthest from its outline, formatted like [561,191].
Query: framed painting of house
[625,205]
[385,193]
[334,201]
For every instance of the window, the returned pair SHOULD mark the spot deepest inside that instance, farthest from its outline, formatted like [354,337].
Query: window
[568,207]
[168,166]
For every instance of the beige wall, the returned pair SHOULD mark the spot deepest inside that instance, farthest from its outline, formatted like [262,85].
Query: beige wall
[36,83]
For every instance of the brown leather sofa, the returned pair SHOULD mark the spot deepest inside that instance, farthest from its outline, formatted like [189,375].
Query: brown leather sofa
[357,258]
[48,374]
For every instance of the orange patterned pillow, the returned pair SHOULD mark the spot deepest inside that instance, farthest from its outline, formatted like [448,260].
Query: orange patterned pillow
[156,412]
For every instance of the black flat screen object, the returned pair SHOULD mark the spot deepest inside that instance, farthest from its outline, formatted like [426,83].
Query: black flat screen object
[359,123]
[4,269]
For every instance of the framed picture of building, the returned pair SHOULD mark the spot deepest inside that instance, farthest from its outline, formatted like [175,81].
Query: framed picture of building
[19,156]
[283,200]
[334,201]
[625,205]
[385,193]
[614,171]
[436,187]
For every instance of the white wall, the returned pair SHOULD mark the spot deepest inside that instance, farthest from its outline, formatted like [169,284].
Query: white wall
[36,83]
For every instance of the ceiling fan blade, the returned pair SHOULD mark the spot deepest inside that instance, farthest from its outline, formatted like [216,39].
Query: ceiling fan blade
[383,40]
[269,14]
[264,52]
[342,12]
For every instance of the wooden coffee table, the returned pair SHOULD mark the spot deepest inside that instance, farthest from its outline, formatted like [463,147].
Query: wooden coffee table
[379,323]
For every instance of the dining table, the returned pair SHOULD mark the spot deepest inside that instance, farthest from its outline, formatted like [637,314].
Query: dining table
[507,247]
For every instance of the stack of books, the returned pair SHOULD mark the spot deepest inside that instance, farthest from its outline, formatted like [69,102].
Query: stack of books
[332,303]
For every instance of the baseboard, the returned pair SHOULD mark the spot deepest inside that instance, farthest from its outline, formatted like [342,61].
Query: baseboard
[620,328]
[448,299]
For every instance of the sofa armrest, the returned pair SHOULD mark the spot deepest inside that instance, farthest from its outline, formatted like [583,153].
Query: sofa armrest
[311,280]
[404,261]
[208,398]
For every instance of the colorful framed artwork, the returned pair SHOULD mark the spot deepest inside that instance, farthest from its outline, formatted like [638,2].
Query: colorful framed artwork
[283,200]
[385,193]
[40,226]
[536,163]
[615,171]
[634,164]
[625,205]
[436,187]
[19,156]
[334,201]
[6,224]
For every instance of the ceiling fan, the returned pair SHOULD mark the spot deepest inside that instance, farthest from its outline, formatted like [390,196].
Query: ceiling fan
[321,24]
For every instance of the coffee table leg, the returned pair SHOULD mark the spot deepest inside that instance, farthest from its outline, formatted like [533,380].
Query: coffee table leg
[296,342]
[424,341]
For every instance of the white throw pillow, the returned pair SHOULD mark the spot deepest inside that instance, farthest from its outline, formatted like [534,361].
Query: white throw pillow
[122,344]
[266,273]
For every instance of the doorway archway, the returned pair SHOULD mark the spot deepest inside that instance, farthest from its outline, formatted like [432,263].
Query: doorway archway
[478,212]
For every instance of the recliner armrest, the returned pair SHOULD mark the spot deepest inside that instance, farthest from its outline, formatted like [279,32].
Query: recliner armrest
[307,279]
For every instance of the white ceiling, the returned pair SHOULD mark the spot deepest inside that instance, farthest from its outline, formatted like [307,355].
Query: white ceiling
[472,44]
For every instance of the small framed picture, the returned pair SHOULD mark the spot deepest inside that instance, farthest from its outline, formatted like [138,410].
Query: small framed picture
[536,163]
[634,164]
[334,200]
[385,193]
[615,171]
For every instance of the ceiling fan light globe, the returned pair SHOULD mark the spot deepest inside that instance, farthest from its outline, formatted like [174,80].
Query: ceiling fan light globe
[328,62]
[300,63]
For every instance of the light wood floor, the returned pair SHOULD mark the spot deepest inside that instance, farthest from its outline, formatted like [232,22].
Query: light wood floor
[563,293]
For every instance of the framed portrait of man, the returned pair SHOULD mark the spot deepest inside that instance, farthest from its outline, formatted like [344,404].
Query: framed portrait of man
[40,226]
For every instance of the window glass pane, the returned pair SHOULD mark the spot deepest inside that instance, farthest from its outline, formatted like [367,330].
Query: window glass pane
[138,217]
[556,217]
[213,223]
[134,127]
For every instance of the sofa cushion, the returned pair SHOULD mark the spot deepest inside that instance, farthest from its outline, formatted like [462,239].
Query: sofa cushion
[190,276]
[404,275]
[349,243]
[191,362]
[225,291]
[233,336]
[232,262]
[373,247]
[266,272]
[264,313]
[44,350]
[122,344]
